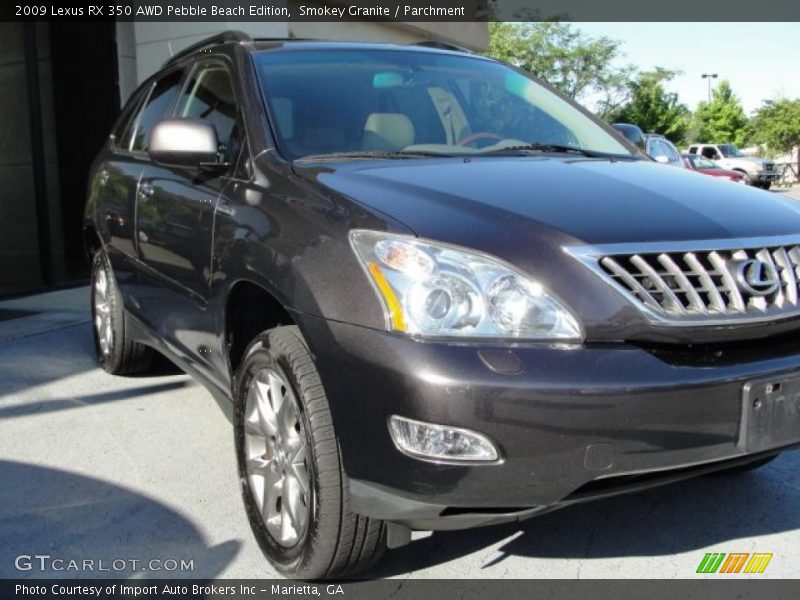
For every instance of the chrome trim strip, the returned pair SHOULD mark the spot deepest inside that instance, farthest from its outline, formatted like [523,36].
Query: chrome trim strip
[685,245]
[695,301]
[623,274]
[785,262]
[658,281]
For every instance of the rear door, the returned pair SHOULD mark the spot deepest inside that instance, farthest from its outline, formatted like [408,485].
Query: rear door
[112,186]
[117,178]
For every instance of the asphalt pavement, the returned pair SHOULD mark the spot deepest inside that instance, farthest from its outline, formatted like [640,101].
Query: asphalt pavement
[142,470]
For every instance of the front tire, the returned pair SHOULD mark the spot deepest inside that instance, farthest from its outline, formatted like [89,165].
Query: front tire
[294,488]
[116,351]
[746,178]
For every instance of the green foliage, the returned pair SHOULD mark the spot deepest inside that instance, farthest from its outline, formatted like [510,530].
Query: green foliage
[777,125]
[569,60]
[721,120]
[653,108]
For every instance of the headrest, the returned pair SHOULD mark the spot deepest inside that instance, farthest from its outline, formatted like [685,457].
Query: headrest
[388,131]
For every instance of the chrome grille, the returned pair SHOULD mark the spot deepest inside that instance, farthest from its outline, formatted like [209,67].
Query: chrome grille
[718,282]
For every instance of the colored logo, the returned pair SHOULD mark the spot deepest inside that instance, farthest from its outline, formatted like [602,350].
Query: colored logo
[734,562]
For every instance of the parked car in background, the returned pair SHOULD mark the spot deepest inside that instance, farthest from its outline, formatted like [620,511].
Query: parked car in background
[662,150]
[701,164]
[656,146]
[759,172]
[633,134]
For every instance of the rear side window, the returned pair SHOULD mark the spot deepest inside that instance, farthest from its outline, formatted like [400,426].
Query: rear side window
[209,95]
[656,148]
[670,152]
[709,152]
[121,133]
[155,108]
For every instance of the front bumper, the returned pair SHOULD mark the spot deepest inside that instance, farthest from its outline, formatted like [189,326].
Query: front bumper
[766,176]
[566,419]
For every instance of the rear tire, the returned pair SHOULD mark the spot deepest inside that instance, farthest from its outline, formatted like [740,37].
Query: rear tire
[117,352]
[290,465]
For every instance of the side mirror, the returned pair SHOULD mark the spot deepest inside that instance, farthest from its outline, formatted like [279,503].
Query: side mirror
[185,143]
[662,159]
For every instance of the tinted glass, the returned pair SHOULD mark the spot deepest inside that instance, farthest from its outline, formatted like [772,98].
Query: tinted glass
[123,129]
[729,150]
[657,149]
[210,96]
[385,100]
[704,163]
[155,109]
[672,153]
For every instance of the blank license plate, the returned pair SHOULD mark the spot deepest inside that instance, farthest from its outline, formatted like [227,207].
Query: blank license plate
[770,413]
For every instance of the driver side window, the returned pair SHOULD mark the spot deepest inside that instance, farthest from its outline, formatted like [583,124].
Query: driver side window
[209,95]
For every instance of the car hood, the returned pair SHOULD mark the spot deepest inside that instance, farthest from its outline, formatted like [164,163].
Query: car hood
[747,159]
[719,172]
[575,200]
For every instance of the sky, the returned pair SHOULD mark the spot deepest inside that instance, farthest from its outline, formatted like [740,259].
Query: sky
[761,60]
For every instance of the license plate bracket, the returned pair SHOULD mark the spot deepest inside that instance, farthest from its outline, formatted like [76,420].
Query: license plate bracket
[770,413]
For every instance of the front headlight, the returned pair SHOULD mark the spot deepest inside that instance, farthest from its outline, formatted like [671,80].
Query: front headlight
[437,290]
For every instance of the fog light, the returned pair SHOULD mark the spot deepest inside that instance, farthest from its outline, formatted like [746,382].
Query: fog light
[440,442]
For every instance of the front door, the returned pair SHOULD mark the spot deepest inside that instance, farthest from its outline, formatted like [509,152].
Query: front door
[175,220]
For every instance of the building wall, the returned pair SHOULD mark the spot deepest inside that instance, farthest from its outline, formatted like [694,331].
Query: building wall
[143,47]
[20,264]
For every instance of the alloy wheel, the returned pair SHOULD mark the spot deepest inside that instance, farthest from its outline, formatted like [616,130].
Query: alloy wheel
[276,457]
[102,312]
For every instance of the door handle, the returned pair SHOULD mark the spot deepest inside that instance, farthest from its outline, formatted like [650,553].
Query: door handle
[145,190]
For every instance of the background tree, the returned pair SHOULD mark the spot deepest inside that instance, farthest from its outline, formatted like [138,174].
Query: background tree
[777,124]
[722,119]
[653,108]
[577,65]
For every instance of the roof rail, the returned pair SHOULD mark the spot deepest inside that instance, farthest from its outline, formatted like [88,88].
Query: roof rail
[442,46]
[221,38]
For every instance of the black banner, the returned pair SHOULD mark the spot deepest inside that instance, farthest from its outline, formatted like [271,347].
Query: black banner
[402,10]
[399,589]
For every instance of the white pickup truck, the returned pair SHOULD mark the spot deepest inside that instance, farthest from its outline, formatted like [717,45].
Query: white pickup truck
[759,172]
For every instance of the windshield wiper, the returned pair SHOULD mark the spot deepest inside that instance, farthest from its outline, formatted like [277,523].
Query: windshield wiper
[552,148]
[356,154]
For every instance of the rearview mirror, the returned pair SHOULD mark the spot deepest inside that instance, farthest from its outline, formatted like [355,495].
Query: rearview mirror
[187,143]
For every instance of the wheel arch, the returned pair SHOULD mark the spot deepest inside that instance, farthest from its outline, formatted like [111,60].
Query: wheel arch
[91,241]
[250,308]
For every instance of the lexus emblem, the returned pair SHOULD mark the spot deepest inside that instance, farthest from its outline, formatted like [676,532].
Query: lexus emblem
[757,278]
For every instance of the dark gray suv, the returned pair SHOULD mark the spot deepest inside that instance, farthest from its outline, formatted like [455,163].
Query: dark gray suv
[432,293]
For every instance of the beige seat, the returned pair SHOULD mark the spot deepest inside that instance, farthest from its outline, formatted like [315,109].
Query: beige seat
[388,131]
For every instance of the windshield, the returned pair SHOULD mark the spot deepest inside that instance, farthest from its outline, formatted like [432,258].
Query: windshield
[729,150]
[703,163]
[388,102]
